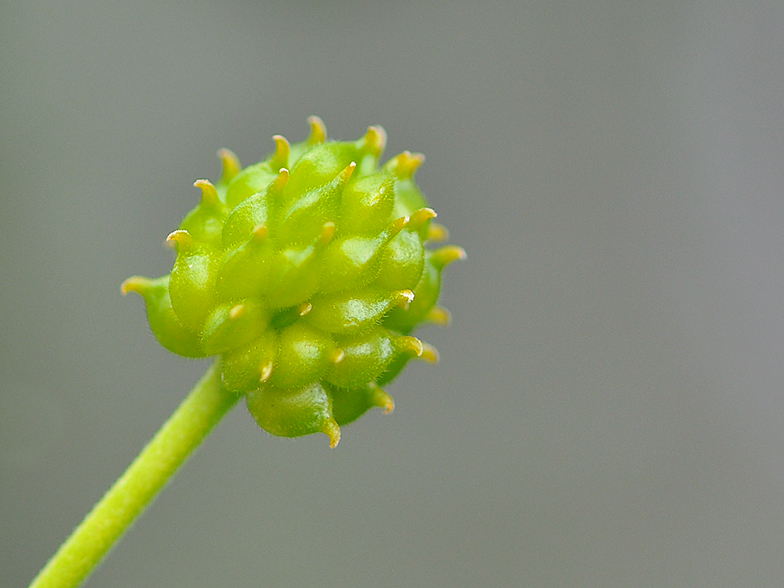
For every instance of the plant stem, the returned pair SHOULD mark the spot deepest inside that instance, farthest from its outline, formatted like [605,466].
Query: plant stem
[204,407]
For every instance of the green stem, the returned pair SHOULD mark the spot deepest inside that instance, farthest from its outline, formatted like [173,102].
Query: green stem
[204,407]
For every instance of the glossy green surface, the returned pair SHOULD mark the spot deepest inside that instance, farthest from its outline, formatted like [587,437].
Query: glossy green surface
[305,273]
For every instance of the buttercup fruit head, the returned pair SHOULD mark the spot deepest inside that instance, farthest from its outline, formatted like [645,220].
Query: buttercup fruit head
[306,273]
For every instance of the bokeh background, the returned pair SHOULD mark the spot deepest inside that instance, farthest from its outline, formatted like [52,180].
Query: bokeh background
[609,408]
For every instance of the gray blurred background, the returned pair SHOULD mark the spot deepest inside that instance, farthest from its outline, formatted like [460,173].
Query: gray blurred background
[609,408]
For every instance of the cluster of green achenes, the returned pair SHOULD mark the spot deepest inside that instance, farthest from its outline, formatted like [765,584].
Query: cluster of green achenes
[306,273]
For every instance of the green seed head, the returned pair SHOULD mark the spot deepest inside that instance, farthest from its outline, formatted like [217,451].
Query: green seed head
[306,273]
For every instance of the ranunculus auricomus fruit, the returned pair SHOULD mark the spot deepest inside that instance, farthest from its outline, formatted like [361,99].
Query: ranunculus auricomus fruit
[306,273]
